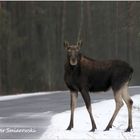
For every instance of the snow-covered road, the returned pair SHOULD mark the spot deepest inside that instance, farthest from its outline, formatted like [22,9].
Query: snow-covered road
[37,113]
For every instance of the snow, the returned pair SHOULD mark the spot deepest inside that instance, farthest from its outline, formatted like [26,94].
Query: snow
[102,112]
[18,96]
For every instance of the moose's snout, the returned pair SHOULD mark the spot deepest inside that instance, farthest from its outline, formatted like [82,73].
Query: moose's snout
[73,58]
[73,61]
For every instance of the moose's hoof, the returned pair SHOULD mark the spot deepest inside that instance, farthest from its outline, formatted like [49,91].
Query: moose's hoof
[107,128]
[92,130]
[69,128]
[128,129]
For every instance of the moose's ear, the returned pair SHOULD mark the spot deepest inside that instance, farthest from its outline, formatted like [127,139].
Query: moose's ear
[66,44]
[79,43]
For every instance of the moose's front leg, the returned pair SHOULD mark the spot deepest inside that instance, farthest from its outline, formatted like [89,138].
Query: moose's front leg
[87,100]
[73,103]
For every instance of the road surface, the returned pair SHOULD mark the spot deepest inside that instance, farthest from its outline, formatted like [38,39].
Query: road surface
[28,117]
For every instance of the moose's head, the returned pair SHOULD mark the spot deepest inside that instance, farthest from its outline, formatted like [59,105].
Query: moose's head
[73,52]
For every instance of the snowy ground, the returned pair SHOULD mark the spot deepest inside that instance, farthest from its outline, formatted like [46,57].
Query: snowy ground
[102,112]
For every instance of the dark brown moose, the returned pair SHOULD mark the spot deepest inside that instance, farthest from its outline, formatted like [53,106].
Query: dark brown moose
[84,75]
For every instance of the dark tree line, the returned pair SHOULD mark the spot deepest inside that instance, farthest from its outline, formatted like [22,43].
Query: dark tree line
[32,33]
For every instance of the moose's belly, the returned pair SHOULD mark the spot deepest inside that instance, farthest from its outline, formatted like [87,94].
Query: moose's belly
[91,83]
[99,85]
[96,88]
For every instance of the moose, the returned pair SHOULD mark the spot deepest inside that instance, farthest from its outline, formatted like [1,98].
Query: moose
[84,75]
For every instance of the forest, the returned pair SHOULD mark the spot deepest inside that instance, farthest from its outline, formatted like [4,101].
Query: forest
[32,34]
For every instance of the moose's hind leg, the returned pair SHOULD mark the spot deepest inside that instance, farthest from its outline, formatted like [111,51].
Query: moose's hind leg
[119,104]
[129,104]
